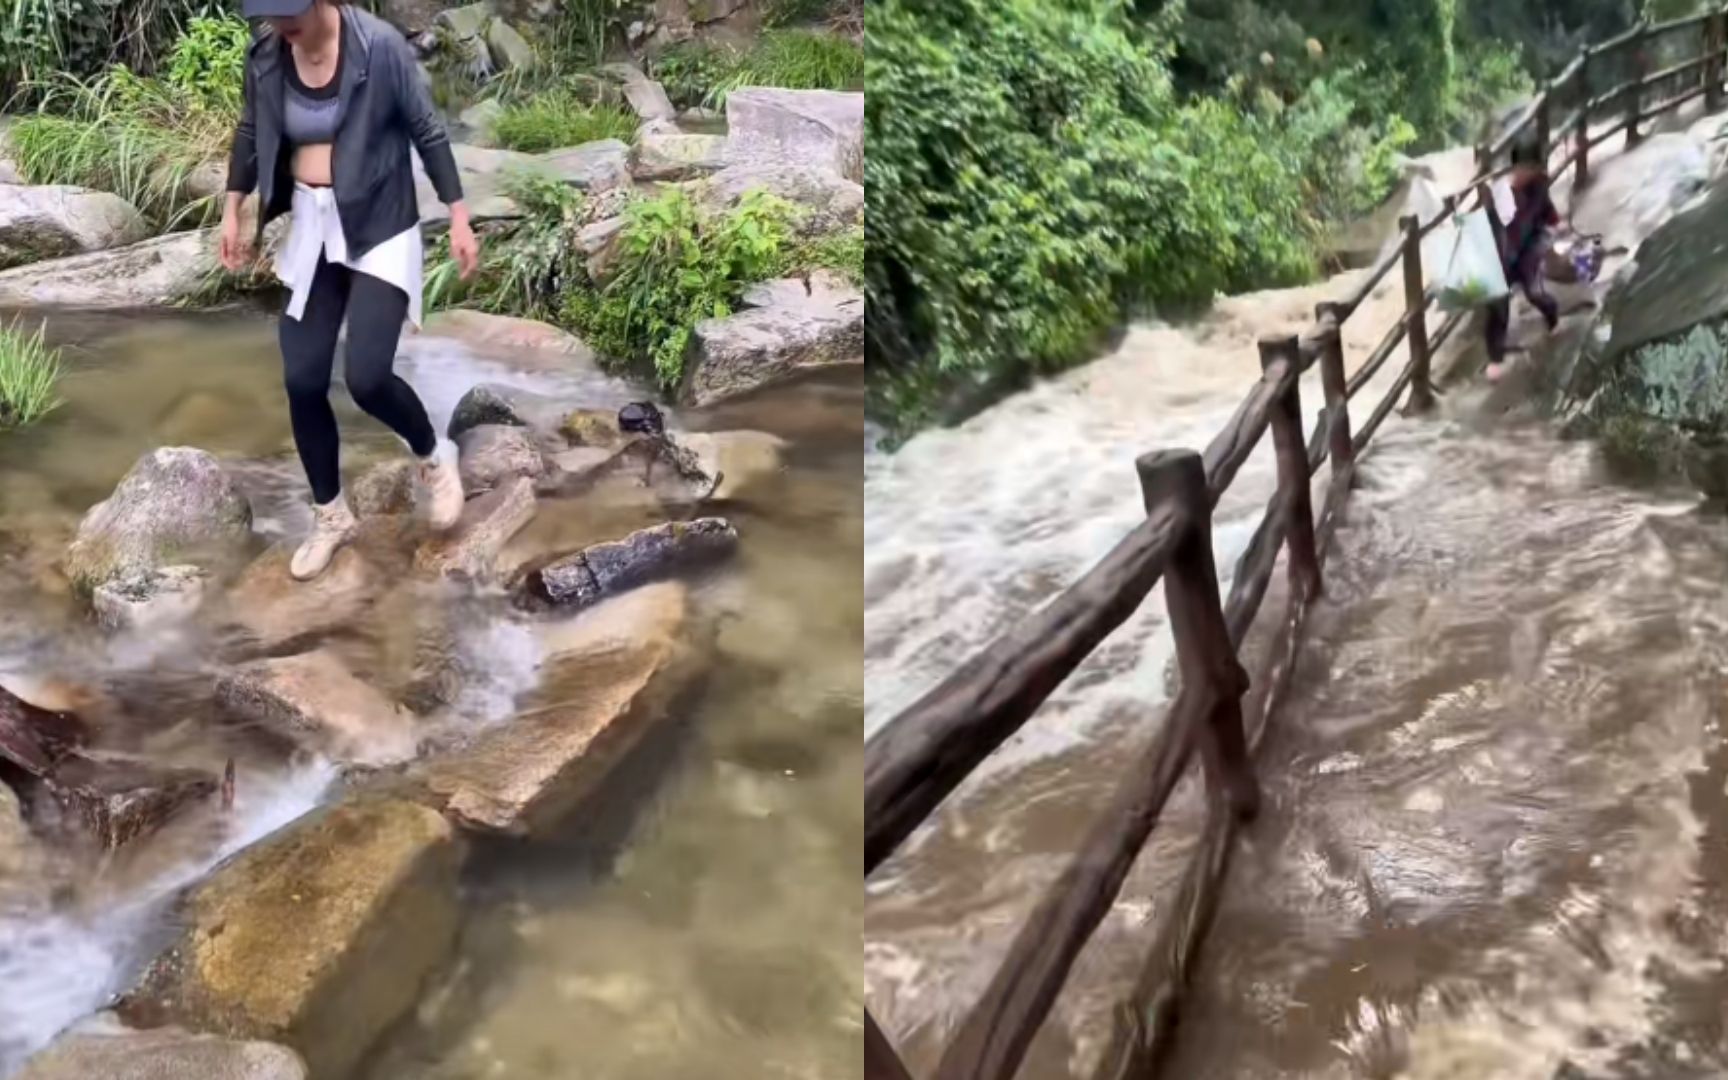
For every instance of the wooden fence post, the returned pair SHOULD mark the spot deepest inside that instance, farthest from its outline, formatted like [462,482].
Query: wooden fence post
[1204,653]
[1582,160]
[1293,479]
[1715,40]
[1635,90]
[1416,308]
[1544,118]
[880,1060]
[1341,450]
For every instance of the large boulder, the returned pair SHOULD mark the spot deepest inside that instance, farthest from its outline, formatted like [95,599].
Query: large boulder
[386,488]
[829,201]
[613,672]
[52,222]
[314,700]
[617,566]
[470,551]
[594,167]
[274,611]
[823,129]
[493,454]
[114,1053]
[175,507]
[798,327]
[155,273]
[319,937]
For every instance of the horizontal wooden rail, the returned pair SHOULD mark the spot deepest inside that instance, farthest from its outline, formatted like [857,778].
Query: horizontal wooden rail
[919,757]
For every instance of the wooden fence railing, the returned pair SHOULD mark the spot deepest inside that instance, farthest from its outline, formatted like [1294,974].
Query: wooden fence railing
[922,755]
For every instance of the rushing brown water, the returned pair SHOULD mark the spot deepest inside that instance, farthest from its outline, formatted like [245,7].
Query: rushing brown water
[701,920]
[1492,843]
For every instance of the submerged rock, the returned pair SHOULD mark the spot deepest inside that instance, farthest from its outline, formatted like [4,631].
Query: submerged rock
[319,937]
[495,453]
[803,327]
[485,332]
[741,460]
[675,473]
[604,570]
[274,610]
[823,129]
[119,801]
[471,549]
[55,221]
[165,1054]
[150,599]
[621,665]
[314,700]
[174,503]
[386,488]
[592,427]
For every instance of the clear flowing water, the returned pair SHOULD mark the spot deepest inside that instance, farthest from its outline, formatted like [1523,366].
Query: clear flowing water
[636,941]
[1495,802]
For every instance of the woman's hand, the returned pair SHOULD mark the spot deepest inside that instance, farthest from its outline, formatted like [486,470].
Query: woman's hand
[235,250]
[464,245]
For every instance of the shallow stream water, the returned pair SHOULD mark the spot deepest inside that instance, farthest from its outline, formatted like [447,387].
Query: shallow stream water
[651,937]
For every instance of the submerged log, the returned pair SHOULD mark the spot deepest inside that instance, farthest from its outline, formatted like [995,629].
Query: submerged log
[119,801]
[617,566]
[36,739]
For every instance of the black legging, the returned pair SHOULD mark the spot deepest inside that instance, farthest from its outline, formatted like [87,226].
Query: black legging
[376,310]
[1526,274]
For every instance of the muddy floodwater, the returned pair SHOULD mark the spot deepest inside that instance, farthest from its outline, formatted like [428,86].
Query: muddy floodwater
[700,918]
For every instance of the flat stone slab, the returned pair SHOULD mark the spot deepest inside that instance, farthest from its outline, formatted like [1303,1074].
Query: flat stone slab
[167,1054]
[313,700]
[318,938]
[804,328]
[819,128]
[149,274]
[613,672]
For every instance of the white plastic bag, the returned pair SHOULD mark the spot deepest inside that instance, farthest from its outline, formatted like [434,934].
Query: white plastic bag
[1462,261]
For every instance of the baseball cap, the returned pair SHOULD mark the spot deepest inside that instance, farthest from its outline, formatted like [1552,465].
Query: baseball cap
[274,9]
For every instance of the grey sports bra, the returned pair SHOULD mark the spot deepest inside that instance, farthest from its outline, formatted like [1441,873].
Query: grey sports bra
[312,114]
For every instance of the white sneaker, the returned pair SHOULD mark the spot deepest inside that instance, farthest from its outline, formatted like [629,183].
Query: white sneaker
[441,476]
[333,525]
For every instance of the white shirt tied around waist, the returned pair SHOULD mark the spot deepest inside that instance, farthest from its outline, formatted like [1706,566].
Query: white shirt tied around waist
[317,227]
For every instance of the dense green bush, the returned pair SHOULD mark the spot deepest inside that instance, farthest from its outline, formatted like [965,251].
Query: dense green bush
[40,39]
[1031,177]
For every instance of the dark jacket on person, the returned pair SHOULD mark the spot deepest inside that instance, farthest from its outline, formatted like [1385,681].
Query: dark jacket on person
[385,107]
[1533,216]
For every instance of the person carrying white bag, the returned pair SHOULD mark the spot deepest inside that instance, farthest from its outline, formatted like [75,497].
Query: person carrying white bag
[1524,249]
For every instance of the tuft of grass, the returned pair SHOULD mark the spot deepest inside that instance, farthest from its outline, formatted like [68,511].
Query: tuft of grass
[141,139]
[841,252]
[29,376]
[704,74]
[526,266]
[557,119]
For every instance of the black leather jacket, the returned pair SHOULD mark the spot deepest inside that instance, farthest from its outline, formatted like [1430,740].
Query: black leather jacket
[385,107]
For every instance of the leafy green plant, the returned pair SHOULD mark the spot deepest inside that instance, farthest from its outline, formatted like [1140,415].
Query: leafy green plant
[675,269]
[842,252]
[704,73]
[140,138]
[560,118]
[39,38]
[526,268]
[208,63]
[29,376]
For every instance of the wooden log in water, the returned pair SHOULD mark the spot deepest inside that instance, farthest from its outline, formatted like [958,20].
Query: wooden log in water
[921,755]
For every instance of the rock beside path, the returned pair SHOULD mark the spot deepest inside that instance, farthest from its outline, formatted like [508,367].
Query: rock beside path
[803,327]
[175,502]
[319,937]
[154,273]
[830,201]
[55,221]
[166,1054]
[819,128]
[605,570]
[617,670]
[487,333]
[313,700]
